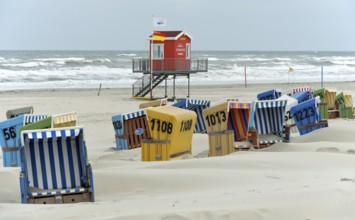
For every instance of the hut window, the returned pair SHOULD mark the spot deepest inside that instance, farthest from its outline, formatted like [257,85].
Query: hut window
[188,50]
[158,51]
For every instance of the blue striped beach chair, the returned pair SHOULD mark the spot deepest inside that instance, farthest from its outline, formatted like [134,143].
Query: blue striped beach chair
[10,137]
[267,122]
[125,126]
[197,106]
[307,116]
[269,95]
[55,168]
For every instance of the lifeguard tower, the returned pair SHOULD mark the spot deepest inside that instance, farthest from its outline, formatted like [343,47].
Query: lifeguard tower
[169,59]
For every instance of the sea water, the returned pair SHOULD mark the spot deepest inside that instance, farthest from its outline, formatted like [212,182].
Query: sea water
[112,69]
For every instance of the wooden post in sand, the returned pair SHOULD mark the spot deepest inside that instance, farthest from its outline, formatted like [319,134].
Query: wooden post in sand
[98,94]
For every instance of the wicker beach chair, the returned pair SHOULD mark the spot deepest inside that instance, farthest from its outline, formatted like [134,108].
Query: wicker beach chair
[155,103]
[10,137]
[55,168]
[19,111]
[307,116]
[267,121]
[125,126]
[344,103]
[238,121]
[197,106]
[289,128]
[269,95]
[327,105]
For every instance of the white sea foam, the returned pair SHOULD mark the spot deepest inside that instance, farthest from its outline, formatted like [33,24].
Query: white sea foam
[84,70]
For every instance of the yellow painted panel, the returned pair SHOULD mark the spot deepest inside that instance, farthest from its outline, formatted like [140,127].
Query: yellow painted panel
[64,120]
[173,124]
[216,117]
[329,97]
[221,144]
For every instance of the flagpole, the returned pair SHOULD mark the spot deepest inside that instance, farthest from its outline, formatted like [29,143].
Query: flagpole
[151,61]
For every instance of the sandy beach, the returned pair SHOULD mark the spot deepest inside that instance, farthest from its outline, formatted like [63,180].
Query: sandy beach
[311,178]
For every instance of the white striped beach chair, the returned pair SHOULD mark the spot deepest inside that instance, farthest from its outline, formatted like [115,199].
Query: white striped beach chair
[197,106]
[55,168]
[10,137]
[267,122]
[125,126]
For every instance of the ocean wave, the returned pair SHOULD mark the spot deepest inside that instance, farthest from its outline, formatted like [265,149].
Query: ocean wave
[28,64]
[127,55]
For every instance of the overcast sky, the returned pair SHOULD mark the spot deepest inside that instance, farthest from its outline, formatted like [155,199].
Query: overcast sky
[214,24]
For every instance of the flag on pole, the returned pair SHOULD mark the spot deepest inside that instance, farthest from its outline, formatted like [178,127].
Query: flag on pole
[290,70]
[159,22]
[159,36]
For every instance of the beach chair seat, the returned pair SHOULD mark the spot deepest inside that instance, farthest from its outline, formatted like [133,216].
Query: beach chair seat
[307,116]
[19,111]
[10,137]
[125,126]
[55,168]
[344,103]
[197,106]
[155,103]
[269,95]
[267,122]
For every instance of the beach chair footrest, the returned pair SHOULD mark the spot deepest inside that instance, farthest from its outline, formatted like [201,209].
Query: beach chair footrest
[62,199]
[56,192]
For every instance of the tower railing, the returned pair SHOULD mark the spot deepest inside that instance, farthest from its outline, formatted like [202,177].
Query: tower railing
[170,65]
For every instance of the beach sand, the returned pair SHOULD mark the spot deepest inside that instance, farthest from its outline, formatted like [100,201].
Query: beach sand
[311,178]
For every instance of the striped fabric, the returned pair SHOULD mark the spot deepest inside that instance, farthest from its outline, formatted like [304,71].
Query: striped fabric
[302,89]
[269,116]
[348,99]
[29,119]
[65,120]
[131,115]
[238,119]
[198,106]
[55,159]
[329,97]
